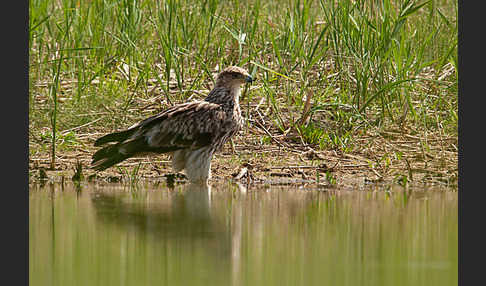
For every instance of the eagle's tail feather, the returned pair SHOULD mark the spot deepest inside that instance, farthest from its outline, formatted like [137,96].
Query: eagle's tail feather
[114,137]
[115,153]
[107,157]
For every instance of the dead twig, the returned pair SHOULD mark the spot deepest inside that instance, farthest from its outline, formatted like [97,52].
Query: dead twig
[283,144]
[80,126]
[242,173]
[307,107]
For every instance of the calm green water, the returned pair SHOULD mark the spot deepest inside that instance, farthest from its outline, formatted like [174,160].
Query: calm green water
[114,235]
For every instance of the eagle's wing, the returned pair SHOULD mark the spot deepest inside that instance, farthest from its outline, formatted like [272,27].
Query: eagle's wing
[188,125]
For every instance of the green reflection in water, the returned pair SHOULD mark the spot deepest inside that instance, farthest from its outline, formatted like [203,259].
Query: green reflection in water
[225,235]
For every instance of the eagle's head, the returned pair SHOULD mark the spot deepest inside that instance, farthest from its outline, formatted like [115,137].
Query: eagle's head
[233,76]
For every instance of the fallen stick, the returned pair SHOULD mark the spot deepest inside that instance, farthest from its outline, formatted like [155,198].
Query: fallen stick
[80,126]
[242,172]
[269,134]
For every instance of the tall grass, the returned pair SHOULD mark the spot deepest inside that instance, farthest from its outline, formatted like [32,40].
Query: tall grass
[364,62]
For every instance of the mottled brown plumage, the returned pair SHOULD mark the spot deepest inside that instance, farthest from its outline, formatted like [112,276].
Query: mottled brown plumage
[191,132]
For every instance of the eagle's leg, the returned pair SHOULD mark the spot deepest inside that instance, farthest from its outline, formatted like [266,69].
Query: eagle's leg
[198,165]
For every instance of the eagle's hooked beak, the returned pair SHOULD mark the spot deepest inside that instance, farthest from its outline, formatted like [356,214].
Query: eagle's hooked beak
[249,79]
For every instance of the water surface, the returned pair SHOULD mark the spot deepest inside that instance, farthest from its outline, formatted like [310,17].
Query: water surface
[227,235]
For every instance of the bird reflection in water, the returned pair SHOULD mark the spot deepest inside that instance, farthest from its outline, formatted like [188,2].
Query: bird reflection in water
[178,217]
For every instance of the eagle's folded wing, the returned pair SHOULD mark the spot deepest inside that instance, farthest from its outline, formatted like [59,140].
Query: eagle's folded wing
[190,125]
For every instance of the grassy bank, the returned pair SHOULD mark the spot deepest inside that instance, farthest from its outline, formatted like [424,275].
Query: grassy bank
[375,81]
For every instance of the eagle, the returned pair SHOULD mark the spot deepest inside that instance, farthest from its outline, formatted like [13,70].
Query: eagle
[190,132]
